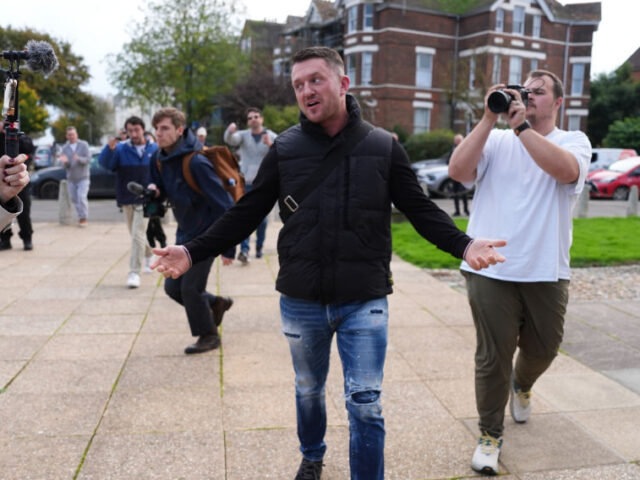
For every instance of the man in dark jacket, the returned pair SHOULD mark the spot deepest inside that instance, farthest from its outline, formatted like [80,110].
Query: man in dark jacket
[334,253]
[25,146]
[130,161]
[194,213]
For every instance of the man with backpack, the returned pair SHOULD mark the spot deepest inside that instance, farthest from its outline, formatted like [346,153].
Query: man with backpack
[197,202]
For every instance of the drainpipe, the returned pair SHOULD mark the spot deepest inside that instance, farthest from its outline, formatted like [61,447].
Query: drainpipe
[455,73]
[564,72]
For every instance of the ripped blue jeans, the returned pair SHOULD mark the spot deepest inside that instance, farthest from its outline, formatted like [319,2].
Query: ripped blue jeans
[361,329]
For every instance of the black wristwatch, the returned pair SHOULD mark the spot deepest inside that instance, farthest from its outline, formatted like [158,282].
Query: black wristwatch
[521,128]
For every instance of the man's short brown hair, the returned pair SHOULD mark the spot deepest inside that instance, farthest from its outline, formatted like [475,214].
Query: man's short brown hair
[177,117]
[558,89]
[329,55]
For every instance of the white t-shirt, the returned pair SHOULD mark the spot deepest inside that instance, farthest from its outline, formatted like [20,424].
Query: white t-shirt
[517,201]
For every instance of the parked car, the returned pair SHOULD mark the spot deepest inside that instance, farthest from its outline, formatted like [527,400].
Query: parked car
[45,183]
[616,181]
[438,183]
[603,157]
[420,164]
[42,158]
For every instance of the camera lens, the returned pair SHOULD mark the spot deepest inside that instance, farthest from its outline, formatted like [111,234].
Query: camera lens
[499,101]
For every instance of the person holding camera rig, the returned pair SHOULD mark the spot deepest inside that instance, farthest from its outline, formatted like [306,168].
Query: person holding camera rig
[13,178]
[527,180]
[130,160]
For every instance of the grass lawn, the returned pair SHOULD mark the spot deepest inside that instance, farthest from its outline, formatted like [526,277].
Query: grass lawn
[596,242]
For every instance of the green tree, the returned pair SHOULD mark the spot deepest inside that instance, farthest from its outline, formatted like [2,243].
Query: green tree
[279,119]
[62,87]
[614,96]
[182,53]
[33,116]
[624,134]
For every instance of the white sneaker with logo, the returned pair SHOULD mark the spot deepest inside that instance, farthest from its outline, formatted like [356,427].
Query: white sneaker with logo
[147,265]
[485,457]
[519,403]
[133,280]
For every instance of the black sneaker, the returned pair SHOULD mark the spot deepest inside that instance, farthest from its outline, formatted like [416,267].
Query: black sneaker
[221,305]
[309,470]
[259,253]
[5,244]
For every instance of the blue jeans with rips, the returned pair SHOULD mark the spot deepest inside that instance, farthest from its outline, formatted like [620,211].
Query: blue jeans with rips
[361,329]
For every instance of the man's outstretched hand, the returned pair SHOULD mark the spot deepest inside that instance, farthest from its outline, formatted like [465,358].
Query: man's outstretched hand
[482,253]
[171,261]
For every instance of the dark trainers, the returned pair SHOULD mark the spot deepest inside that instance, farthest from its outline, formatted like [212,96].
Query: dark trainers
[221,305]
[5,244]
[309,470]
[243,258]
[211,341]
[259,253]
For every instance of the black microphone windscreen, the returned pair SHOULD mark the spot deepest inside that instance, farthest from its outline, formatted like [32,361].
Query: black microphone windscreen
[135,188]
[42,58]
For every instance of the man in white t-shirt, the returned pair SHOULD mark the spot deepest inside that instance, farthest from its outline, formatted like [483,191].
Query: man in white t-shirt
[527,178]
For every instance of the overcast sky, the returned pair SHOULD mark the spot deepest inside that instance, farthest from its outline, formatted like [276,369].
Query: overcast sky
[97,28]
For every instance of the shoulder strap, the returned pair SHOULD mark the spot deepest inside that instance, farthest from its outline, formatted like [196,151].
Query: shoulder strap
[186,172]
[332,158]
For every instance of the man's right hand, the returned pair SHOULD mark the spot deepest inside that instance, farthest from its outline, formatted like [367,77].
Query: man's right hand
[171,261]
[112,143]
[233,128]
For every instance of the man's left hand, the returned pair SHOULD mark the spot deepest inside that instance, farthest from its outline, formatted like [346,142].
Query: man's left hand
[13,173]
[226,261]
[481,253]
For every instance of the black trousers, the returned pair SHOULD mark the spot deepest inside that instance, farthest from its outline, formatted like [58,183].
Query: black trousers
[24,219]
[189,291]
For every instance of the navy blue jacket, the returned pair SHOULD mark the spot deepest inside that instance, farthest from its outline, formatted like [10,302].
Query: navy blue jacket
[194,212]
[129,167]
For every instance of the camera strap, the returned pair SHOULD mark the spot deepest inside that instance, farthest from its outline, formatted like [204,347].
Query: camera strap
[336,154]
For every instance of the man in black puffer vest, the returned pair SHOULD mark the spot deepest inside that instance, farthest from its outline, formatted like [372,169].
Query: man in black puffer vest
[334,253]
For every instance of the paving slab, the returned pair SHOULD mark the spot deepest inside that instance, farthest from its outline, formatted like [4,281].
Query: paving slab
[41,456]
[628,377]
[30,324]
[88,346]
[192,455]
[21,347]
[622,471]
[172,371]
[100,323]
[616,428]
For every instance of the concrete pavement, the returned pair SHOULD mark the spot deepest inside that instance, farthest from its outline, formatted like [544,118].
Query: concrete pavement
[94,384]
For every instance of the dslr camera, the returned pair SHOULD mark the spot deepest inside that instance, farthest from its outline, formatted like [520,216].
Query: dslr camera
[499,101]
[151,207]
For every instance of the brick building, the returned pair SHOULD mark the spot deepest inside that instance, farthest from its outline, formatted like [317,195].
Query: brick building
[420,65]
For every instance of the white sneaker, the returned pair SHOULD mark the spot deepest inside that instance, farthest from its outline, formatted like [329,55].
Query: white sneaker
[147,265]
[519,403]
[485,457]
[133,280]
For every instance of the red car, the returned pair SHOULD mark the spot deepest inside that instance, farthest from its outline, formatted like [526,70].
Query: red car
[616,181]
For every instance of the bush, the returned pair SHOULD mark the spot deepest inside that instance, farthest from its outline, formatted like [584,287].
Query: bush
[432,144]
[624,134]
[279,119]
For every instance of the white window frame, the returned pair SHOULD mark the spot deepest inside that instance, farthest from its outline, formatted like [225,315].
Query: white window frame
[577,78]
[367,17]
[537,26]
[496,72]
[499,20]
[366,68]
[421,119]
[515,70]
[351,68]
[424,75]
[518,23]
[352,19]
[573,122]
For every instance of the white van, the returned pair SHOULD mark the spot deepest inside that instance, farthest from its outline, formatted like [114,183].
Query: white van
[603,157]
